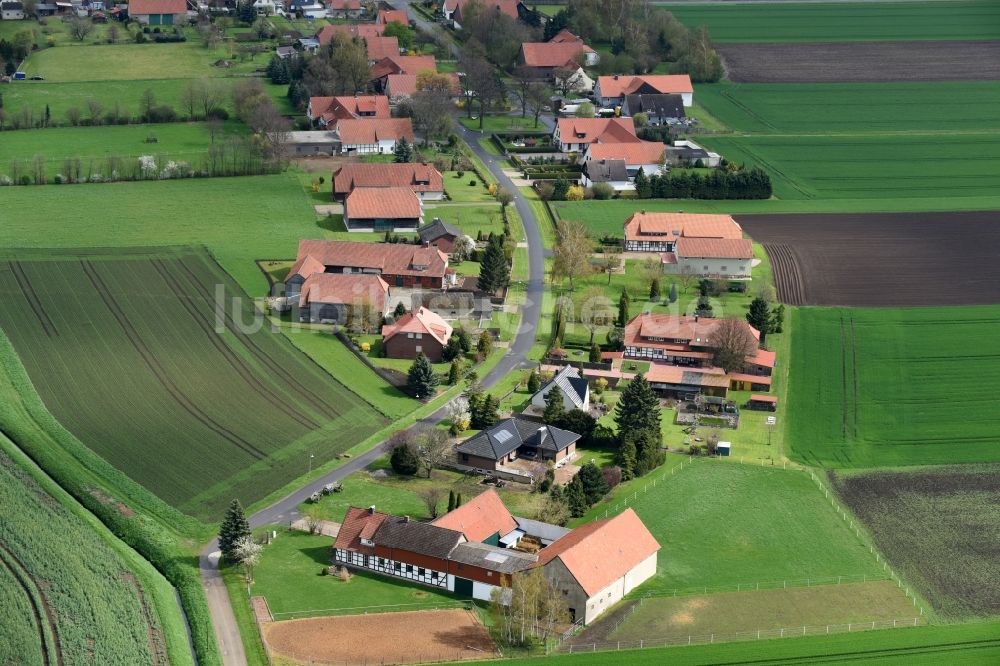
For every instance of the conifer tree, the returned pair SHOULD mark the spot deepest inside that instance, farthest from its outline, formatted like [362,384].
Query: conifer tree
[554,407]
[623,307]
[534,382]
[421,379]
[454,372]
[234,527]
[403,151]
[451,501]
[595,353]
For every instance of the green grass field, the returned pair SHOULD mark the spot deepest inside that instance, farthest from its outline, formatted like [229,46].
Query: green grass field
[838,22]
[290,576]
[887,386]
[736,612]
[230,408]
[723,524]
[472,220]
[853,108]
[124,62]
[69,587]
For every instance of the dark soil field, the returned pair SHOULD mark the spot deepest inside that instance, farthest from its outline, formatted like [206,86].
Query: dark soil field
[939,527]
[882,260]
[852,62]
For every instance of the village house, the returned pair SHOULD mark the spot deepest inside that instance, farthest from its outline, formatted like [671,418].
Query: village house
[158,12]
[479,547]
[381,47]
[659,109]
[637,155]
[612,172]
[515,438]
[452,9]
[692,243]
[575,135]
[564,51]
[387,16]
[439,234]
[399,87]
[611,90]
[349,30]
[398,264]
[420,331]
[570,385]
[684,152]
[344,9]
[380,209]
[327,111]
[364,136]
[11,11]
[335,298]
[398,64]
[421,177]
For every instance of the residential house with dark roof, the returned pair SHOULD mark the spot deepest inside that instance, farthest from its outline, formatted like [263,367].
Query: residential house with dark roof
[419,331]
[612,172]
[573,388]
[598,563]
[328,111]
[337,298]
[699,244]
[515,438]
[439,234]
[659,109]
[612,90]
[158,12]
[684,152]
[399,264]
[366,136]
[421,177]
[381,209]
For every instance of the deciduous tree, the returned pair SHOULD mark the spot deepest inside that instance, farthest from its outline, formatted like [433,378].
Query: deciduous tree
[733,344]
[573,249]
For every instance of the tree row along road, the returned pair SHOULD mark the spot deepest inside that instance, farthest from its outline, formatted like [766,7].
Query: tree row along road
[286,509]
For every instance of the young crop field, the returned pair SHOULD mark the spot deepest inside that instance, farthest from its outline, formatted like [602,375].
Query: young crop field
[939,527]
[68,597]
[723,524]
[837,22]
[186,391]
[876,387]
[915,166]
[854,108]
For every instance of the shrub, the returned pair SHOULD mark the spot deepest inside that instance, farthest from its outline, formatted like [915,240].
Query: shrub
[575,193]
[218,113]
[602,191]
[161,114]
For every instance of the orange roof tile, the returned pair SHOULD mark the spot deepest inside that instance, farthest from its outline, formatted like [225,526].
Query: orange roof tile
[369,203]
[357,522]
[693,331]
[591,130]
[344,107]
[642,152]
[764,358]
[753,379]
[715,248]
[675,374]
[386,16]
[345,289]
[422,321]
[344,5]
[137,7]
[480,517]
[398,64]
[642,225]
[620,85]
[369,131]
[757,397]
[387,258]
[599,553]
[418,176]
[360,30]
[553,54]
[507,7]
[381,47]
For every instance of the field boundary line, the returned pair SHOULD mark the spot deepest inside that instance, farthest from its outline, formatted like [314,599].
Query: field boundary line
[364,610]
[612,511]
[756,586]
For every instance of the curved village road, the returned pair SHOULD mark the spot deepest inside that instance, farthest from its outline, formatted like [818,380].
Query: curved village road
[285,510]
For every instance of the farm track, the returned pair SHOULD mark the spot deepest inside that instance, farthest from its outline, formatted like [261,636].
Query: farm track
[322,407]
[32,298]
[44,617]
[237,363]
[158,371]
[786,273]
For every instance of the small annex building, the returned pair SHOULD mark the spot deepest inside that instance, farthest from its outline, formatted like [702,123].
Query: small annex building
[383,209]
[334,298]
[158,12]
[421,331]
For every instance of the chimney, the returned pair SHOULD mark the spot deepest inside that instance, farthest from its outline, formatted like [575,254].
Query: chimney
[371,510]
[696,317]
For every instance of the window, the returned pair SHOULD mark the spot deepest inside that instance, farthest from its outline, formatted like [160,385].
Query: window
[704,268]
[418,336]
[725,267]
[409,568]
[489,574]
[419,349]
[398,566]
[434,575]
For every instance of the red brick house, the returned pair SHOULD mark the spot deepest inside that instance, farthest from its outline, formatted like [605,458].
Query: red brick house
[416,332]
[327,111]
[422,178]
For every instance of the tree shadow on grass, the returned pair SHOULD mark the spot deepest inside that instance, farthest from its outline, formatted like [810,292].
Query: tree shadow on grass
[333,223]
[319,554]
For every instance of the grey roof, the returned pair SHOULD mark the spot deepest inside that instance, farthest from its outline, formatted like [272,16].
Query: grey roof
[511,434]
[492,558]
[422,538]
[603,171]
[436,229]
[568,381]
[312,136]
[662,106]
[687,153]
[544,531]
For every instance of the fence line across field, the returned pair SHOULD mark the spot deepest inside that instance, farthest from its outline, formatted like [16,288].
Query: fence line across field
[365,610]
[286,656]
[758,634]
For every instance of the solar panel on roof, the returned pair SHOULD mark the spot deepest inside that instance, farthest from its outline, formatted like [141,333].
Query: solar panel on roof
[503,436]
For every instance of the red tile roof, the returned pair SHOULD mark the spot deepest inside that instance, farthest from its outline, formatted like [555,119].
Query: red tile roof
[381,47]
[601,552]
[508,7]
[672,226]
[480,517]
[360,30]
[419,177]
[715,248]
[693,331]
[643,152]
[349,106]
[565,35]
[389,203]
[753,379]
[620,85]
[345,289]
[398,64]
[757,397]
[357,522]
[421,321]
[369,131]
[554,54]
[344,5]
[386,16]
[386,258]
[675,374]
[603,130]
[137,7]
[763,358]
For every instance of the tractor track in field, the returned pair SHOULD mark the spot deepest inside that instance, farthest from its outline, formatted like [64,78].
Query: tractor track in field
[786,274]
[158,371]
[239,365]
[44,616]
[154,637]
[265,359]
[24,284]
[843,381]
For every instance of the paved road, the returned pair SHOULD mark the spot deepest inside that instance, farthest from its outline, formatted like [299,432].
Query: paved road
[286,509]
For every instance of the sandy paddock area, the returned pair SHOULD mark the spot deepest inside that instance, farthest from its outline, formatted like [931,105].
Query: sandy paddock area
[381,638]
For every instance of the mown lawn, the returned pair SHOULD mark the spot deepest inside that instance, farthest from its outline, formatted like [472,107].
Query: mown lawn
[290,576]
[855,21]
[894,386]
[503,123]
[472,220]
[459,188]
[123,62]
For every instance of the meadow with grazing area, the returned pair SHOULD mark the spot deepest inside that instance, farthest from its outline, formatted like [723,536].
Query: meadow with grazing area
[72,593]
[721,524]
[907,386]
[837,22]
[222,406]
[123,62]
[938,527]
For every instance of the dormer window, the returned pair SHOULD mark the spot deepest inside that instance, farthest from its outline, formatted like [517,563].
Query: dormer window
[367,542]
